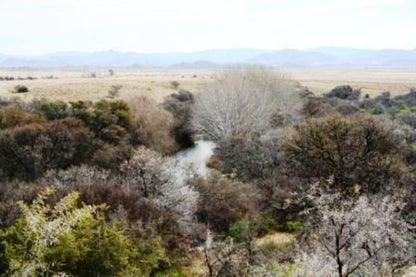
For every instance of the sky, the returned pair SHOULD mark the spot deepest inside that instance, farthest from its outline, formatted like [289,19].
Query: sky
[35,27]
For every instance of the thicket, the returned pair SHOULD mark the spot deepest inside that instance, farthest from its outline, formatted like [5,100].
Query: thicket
[56,135]
[324,188]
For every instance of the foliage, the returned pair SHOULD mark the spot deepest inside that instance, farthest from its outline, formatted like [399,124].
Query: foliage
[344,92]
[179,105]
[215,207]
[292,226]
[248,159]
[354,150]
[378,109]
[322,106]
[54,110]
[42,135]
[152,126]
[65,239]
[20,89]
[13,117]
[27,151]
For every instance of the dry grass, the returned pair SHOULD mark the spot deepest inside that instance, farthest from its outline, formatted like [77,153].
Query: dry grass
[372,82]
[72,84]
[277,238]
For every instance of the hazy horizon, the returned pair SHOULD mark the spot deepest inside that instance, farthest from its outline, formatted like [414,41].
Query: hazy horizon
[33,28]
[202,50]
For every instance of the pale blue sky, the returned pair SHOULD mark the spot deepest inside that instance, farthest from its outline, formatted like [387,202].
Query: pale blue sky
[32,27]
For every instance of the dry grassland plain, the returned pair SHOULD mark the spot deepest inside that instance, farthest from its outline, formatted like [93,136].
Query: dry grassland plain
[73,84]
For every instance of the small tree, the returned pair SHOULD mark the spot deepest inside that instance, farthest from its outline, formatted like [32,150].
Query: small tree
[111,72]
[174,84]
[114,91]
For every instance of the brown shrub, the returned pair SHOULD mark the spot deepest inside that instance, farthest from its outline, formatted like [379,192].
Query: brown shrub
[152,126]
[27,151]
[320,106]
[224,202]
[15,116]
[110,156]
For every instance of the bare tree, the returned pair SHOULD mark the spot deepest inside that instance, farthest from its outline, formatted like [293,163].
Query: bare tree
[242,101]
[362,237]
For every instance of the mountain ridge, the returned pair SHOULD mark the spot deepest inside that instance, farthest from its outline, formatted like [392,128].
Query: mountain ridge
[314,57]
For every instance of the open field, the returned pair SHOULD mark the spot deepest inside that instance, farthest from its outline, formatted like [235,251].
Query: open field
[70,85]
[372,82]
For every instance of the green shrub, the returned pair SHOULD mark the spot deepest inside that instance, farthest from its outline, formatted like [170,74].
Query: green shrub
[292,226]
[54,110]
[240,230]
[78,243]
[407,108]
[378,109]
[20,89]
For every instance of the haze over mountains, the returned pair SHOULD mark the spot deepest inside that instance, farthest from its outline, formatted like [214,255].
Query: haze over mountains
[318,57]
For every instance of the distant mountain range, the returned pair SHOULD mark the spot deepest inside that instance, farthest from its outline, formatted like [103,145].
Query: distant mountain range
[318,57]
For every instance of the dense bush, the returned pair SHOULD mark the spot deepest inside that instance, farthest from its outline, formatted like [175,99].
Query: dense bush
[378,109]
[344,92]
[321,106]
[248,159]
[215,208]
[42,135]
[68,240]
[151,125]
[14,116]
[179,105]
[20,89]
[145,189]
[54,110]
[27,151]
[354,150]
[290,188]
[408,99]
